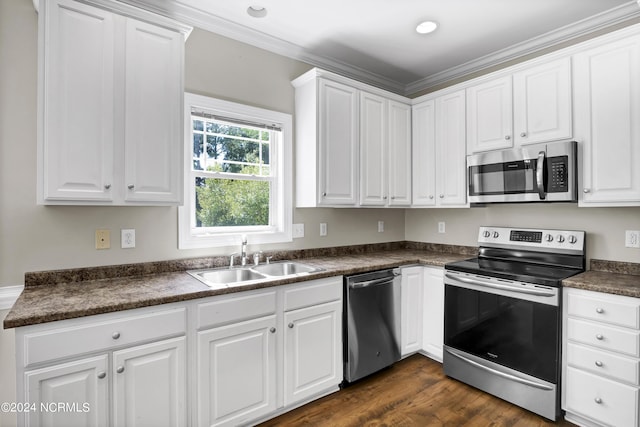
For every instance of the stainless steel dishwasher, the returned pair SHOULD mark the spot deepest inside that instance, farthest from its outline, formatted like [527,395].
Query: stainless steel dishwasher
[372,322]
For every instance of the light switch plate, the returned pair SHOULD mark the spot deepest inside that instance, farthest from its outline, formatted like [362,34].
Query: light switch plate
[380,226]
[441,227]
[323,229]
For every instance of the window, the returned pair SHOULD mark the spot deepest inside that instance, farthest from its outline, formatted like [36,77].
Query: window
[237,174]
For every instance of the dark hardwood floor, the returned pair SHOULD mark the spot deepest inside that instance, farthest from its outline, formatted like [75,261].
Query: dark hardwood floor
[413,392]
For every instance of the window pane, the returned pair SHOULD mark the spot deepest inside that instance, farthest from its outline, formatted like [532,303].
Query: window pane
[197,151]
[198,125]
[231,202]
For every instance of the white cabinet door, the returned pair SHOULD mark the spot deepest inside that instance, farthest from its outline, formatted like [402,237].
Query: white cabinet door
[153,113]
[607,107]
[373,146]
[424,153]
[81,385]
[313,351]
[338,144]
[399,154]
[411,310]
[489,115]
[451,171]
[150,384]
[433,309]
[76,92]
[236,372]
[542,103]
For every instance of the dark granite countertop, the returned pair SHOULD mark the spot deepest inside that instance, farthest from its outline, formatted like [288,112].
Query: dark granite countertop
[66,294]
[619,278]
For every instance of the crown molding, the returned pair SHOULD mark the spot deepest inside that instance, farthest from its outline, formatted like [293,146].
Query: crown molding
[181,12]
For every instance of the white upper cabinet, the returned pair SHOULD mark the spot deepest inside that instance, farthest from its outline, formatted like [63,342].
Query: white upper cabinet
[531,105]
[542,102]
[373,148]
[439,166]
[399,160]
[607,124]
[110,93]
[490,115]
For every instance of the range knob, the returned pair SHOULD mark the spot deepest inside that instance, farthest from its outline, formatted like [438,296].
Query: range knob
[486,233]
[573,239]
[549,238]
[560,238]
[496,234]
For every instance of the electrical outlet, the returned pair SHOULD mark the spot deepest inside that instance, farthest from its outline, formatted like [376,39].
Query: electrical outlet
[323,229]
[441,227]
[127,238]
[632,239]
[103,239]
[298,231]
[380,226]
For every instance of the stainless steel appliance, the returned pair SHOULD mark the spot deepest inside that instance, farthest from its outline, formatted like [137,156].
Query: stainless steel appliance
[534,173]
[372,322]
[502,320]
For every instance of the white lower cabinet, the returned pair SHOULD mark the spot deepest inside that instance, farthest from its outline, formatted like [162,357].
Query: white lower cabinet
[411,310]
[123,369]
[433,312]
[253,346]
[601,359]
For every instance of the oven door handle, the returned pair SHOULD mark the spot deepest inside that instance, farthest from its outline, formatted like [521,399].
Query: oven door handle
[540,175]
[499,373]
[479,282]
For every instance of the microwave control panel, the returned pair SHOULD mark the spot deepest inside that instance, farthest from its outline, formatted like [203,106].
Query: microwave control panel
[557,174]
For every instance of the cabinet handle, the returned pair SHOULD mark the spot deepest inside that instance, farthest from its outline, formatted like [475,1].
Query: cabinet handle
[272,330]
[115,335]
[523,134]
[599,310]
[507,137]
[586,190]
[131,186]
[597,400]
[290,325]
[102,375]
[107,186]
[120,369]
[599,337]
[598,364]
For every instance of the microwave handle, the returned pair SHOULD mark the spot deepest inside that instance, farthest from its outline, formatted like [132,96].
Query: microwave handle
[540,175]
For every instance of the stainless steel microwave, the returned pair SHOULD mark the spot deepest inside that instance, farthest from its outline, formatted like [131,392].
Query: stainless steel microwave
[533,173]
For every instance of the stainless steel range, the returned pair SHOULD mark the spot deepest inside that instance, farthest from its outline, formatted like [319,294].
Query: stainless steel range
[503,314]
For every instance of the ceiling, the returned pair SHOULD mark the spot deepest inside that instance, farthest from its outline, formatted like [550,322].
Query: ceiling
[375,40]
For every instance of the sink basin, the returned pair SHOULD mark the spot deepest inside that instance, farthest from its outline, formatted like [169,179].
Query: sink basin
[284,269]
[230,277]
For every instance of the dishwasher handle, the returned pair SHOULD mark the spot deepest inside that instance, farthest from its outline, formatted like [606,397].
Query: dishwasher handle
[370,283]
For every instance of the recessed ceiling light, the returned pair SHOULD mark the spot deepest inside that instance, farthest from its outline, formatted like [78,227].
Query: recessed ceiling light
[257,11]
[426,27]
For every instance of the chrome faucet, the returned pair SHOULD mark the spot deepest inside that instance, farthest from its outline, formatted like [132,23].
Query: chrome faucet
[243,254]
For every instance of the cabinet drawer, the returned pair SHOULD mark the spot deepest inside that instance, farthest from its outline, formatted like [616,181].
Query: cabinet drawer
[607,337]
[599,362]
[94,335]
[614,309]
[236,308]
[313,293]
[604,400]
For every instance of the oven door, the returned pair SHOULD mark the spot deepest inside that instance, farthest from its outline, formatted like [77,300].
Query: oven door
[513,324]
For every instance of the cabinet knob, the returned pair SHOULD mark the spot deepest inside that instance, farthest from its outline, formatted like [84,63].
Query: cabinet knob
[120,369]
[272,330]
[385,198]
[442,196]
[598,364]
[115,335]
[131,186]
[430,196]
[599,310]
[290,325]
[507,137]
[393,197]
[597,400]
[599,337]
[523,134]
[107,186]
[586,190]
[324,194]
[102,375]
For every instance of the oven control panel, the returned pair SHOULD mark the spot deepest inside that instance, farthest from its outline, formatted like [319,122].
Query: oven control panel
[532,239]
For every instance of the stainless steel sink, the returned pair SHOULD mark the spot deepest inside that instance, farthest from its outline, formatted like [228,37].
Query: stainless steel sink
[238,276]
[287,268]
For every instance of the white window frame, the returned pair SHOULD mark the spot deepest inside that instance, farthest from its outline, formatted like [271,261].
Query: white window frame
[281,211]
